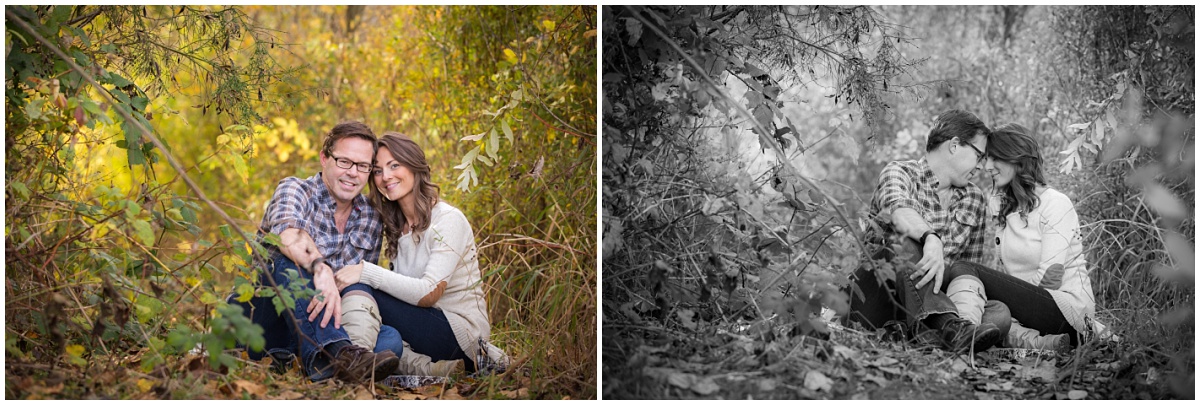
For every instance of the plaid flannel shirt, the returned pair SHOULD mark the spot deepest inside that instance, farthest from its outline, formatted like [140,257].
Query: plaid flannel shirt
[911,184]
[306,204]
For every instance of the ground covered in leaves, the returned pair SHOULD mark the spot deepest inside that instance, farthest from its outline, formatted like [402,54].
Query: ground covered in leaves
[192,378]
[649,362]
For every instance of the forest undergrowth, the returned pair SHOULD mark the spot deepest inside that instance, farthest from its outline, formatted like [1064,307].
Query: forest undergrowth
[142,144]
[734,190]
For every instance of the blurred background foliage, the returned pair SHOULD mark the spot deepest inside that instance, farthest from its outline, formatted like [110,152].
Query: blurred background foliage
[113,262]
[705,222]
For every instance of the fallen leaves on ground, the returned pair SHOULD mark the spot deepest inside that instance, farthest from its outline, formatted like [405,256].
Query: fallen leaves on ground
[749,361]
[190,377]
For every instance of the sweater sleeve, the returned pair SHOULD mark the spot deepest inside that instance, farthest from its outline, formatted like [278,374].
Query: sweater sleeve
[1058,225]
[447,239]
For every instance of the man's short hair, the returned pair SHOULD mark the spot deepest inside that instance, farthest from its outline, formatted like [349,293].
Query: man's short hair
[955,124]
[347,129]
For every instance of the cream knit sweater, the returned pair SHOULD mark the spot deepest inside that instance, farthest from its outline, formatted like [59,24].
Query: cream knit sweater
[1028,250]
[444,259]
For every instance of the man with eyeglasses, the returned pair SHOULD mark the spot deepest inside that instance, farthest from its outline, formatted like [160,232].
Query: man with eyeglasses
[324,223]
[929,208]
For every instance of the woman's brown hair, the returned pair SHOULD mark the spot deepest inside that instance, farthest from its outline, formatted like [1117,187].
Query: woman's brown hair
[1012,144]
[407,153]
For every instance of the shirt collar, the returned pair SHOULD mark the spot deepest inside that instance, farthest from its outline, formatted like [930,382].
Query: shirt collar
[927,175]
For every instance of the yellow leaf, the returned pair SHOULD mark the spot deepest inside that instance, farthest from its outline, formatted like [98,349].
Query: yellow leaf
[510,56]
[144,385]
[75,350]
[222,139]
[548,24]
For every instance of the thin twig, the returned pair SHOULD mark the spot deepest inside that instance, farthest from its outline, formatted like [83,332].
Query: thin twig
[762,132]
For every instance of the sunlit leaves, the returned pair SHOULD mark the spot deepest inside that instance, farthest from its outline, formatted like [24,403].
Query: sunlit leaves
[508,132]
[143,231]
[75,355]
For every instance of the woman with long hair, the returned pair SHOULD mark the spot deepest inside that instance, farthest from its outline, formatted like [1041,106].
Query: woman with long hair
[433,293]
[1043,277]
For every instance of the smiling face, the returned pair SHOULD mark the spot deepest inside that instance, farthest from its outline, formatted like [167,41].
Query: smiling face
[394,180]
[345,184]
[1002,172]
[966,158]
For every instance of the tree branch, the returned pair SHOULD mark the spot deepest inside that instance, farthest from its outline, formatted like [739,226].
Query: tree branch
[762,132]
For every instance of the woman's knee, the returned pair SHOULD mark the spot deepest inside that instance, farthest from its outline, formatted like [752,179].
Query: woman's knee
[962,268]
[360,287]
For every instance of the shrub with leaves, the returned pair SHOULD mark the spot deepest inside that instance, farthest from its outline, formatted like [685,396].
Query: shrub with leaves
[713,221]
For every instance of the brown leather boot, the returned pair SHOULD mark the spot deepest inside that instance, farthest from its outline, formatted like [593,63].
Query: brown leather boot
[355,364]
[959,335]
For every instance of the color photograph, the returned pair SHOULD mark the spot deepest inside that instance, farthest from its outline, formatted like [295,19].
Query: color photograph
[301,202]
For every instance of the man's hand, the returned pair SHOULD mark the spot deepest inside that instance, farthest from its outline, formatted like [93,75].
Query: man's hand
[328,297]
[932,264]
[349,275]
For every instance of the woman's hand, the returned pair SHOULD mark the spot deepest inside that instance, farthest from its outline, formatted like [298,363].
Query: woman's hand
[349,275]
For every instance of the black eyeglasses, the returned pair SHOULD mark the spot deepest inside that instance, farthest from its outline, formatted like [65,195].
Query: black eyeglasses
[347,163]
[978,153]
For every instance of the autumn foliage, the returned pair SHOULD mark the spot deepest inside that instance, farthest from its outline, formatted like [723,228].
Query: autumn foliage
[117,269]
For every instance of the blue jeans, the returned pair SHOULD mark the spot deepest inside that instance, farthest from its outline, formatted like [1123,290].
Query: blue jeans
[895,300]
[284,331]
[389,339]
[426,330]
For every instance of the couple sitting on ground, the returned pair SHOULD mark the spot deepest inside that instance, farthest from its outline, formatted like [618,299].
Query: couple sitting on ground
[1040,297]
[424,316]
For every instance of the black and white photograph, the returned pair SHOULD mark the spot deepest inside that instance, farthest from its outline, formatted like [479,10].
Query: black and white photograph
[897,202]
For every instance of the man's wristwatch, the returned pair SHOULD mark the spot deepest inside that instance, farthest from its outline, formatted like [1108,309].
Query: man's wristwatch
[926,235]
[312,267]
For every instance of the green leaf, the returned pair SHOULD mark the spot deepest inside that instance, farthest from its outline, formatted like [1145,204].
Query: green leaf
[87,40]
[225,231]
[245,292]
[34,109]
[468,158]
[189,215]
[508,134]
[116,79]
[473,138]
[139,103]
[464,180]
[239,167]
[142,228]
[20,188]
[493,145]
[91,106]
[272,239]
[237,127]
[81,59]
[133,142]
[59,15]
